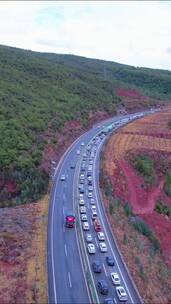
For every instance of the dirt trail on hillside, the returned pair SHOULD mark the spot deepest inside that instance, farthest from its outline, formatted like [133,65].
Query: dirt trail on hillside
[142,201]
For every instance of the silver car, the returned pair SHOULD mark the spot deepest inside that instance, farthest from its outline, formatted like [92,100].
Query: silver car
[121,293]
[115,278]
[91,248]
[103,247]
[89,238]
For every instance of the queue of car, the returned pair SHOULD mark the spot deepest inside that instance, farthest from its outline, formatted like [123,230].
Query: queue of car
[86,191]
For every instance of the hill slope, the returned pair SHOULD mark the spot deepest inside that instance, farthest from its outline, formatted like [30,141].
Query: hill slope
[41,91]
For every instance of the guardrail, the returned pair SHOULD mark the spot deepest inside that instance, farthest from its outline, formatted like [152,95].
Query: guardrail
[85,260]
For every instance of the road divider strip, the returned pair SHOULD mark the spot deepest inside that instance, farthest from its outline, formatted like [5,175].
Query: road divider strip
[86,264]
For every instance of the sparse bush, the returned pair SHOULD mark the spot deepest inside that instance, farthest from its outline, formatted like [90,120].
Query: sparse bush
[169,124]
[142,227]
[128,210]
[108,188]
[145,166]
[117,202]
[155,243]
[125,239]
[162,208]
[111,208]
[167,185]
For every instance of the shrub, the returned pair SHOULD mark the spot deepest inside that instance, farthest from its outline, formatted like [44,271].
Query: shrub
[117,202]
[145,166]
[125,239]
[155,243]
[111,207]
[161,208]
[169,124]
[142,227]
[167,185]
[128,210]
[108,188]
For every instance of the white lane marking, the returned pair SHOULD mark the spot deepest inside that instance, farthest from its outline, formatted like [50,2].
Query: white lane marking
[63,227]
[105,270]
[69,278]
[115,300]
[97,244]
[91,223]
[69,149]
[76,190]
[65,250]
[63,159]
[63,209]
[64,196]
[52,248]
[106,231]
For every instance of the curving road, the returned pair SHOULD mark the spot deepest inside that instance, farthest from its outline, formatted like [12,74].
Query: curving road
[68,277]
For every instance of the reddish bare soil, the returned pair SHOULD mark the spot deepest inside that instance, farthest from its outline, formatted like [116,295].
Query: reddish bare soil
[23,231]
[149,135]
[23,277]
[133,100]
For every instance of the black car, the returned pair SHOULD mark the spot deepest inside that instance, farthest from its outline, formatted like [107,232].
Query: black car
[90,183]
[97,267]
[72,166]
[108,301]
[110,261]
[81,188]
[102,286]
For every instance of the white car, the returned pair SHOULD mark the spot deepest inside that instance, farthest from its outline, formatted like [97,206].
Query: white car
[92,201]
[84,217]
[90,178]
[81,195]
[63,177]
[103,247]
[94,215]
[90,195]
[121,293]
[81,202]
[91,248]
[115,278]
[82,176]
[100,236]
[86,226]
[82,209]
[78,152]
[90,188]
[82,144]
[89,238]
[91,162]
[93,208]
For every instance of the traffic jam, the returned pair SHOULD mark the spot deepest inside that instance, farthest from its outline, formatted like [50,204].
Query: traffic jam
[101,261]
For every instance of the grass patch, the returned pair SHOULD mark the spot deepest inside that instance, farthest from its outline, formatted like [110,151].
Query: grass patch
[145,167]
[145,230]
[169,124]
[162,208]
[167,184]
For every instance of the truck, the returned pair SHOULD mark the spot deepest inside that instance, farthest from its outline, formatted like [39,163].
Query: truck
[70,220]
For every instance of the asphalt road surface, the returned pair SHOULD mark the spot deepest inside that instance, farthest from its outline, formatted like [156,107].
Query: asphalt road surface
[67,278]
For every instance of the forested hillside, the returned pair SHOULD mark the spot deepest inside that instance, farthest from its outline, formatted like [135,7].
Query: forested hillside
[40,91]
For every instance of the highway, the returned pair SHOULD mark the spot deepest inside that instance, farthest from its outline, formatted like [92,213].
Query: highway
[71,278]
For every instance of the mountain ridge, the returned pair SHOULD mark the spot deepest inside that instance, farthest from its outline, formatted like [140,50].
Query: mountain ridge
[41,92]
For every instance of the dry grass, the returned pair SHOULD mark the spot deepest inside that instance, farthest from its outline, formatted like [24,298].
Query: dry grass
[148,268]
[37,270]
[23,247]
